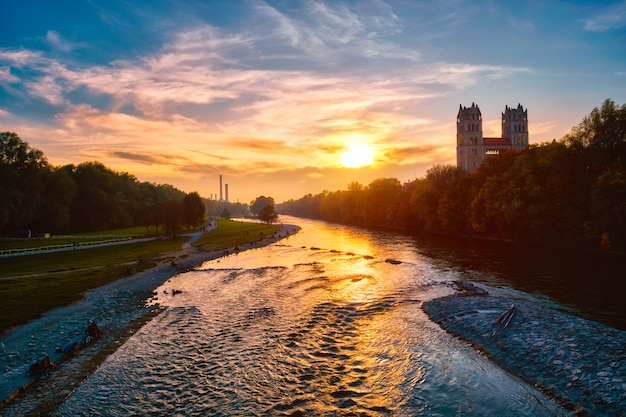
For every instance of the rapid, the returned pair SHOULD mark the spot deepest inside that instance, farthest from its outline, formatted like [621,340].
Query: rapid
[321,323]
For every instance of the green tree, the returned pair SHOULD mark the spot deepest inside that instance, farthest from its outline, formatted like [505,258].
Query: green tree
[260,203]
[268,215]
[225,214]
[608,209]
[21,181]
[194,209]
[172,214]
[603,129]
[60,192]
[380,201]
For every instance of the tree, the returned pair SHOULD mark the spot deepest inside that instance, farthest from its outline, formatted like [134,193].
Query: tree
[380,201]
[268,215]
[225,214]
[603,129]
[608,208]
[21,181]
[194,209]
[60,192]
[172,214]
[259,203]
[16,153]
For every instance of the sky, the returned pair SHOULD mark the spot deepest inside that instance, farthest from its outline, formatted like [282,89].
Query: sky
[285,98]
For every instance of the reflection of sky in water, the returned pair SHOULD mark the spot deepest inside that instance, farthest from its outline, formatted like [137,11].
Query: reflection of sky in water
[296,331]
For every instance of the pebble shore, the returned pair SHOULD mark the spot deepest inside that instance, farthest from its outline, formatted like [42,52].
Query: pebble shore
[119,308]
[578,362]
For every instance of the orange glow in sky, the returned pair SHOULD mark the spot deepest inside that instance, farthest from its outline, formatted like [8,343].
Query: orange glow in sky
[284,99]
[357,155]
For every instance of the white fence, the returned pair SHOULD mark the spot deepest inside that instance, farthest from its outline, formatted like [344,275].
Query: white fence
[72,246]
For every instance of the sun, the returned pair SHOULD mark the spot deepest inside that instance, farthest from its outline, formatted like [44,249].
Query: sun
[357,155]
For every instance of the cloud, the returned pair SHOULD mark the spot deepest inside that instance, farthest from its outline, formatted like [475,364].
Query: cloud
[285,92]
[149,159]
[522,25]
[6,77]
[22,57]
[48,88]
[54,39]
[613,17]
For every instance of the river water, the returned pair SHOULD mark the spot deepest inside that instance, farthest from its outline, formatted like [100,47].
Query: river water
[320,324]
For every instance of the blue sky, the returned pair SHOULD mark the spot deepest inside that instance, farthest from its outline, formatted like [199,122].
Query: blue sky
[273,94]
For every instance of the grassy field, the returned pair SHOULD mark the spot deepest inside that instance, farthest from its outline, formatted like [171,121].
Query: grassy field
[31,285]
[37,242]
[231,233]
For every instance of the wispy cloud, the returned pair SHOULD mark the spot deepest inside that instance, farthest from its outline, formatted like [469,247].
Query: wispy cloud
[286,92]
[54,39]
[612,17]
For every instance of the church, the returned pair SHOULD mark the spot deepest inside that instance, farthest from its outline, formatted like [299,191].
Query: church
[472,148]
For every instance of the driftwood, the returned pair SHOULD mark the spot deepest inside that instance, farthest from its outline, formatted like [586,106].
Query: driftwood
[504,320]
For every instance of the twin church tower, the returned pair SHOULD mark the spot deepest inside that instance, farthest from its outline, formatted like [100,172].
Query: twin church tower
[472,148]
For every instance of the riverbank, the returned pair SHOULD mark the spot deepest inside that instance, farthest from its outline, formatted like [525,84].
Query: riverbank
[576,361]
[120,308]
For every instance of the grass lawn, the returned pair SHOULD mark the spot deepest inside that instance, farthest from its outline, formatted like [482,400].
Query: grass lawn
[33,284]
[37,242]
[230,233]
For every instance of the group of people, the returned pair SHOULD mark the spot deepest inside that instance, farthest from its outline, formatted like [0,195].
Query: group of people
[43,365]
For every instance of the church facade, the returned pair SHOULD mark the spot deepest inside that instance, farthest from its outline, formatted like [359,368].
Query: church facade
[472,148]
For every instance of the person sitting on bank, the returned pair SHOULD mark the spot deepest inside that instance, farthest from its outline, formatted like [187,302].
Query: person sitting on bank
[46,364]
[68,349]
[36,369]
[92,332]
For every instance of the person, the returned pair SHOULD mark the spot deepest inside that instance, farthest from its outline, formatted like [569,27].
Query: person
[68,349]
[93,331]
[46,365]
[36,369]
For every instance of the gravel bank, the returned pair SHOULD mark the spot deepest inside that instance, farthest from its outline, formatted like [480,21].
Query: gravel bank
[577,361]
[119,308]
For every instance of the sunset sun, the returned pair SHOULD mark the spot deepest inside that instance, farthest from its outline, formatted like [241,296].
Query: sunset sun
[357,155]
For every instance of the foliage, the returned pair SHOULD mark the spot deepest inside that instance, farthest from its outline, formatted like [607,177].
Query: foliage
[194,209]
[570,192]
[259,203]
[87,197]
[268,215]
[216,208]
[21,185]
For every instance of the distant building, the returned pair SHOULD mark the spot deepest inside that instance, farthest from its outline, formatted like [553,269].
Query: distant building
[472,148]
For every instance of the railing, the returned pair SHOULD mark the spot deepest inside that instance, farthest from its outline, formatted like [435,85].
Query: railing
[71,246]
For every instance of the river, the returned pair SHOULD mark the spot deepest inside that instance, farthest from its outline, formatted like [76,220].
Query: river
[321,324]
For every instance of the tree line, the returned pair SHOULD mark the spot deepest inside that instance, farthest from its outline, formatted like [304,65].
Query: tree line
[37,196]
[568,192]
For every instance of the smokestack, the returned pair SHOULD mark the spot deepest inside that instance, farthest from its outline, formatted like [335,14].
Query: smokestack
[226,191]
[220,188]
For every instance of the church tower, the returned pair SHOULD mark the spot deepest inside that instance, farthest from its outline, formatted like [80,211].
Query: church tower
[472,147]
[515,126]
[469,136]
